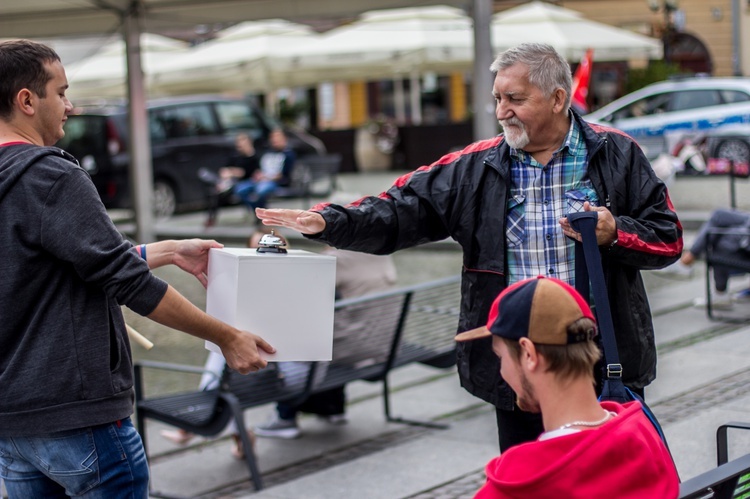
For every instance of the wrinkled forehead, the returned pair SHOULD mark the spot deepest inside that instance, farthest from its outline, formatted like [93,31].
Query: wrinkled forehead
[513,79]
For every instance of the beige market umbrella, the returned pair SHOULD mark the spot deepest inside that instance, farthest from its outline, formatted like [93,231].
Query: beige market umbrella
[246,58]
[104,73]
[570,33]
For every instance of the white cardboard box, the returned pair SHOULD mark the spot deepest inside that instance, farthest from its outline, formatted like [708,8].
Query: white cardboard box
[287,299]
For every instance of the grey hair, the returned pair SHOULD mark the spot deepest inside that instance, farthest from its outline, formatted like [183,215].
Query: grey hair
[548,71]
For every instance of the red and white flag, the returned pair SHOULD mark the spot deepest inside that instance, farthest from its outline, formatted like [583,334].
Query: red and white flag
[581,80]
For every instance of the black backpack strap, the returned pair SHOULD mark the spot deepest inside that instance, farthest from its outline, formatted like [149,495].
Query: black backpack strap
[589,261]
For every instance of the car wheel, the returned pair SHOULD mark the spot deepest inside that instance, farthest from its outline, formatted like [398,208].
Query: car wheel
[165,200]
[738,150]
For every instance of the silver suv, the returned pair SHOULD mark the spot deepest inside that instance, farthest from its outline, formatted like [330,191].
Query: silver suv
[662,114]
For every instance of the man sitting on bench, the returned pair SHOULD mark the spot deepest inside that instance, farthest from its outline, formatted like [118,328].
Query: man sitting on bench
[543,332]
[732,244]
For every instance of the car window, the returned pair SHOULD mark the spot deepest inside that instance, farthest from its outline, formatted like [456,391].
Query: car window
[236,116]
[185,121]
[156,129]
[731,96]
[84,135]
[693,99]
[653,104]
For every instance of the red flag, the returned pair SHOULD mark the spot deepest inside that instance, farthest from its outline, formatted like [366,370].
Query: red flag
[581,81]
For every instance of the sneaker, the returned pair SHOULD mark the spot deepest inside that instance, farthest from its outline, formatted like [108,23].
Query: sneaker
[334,419]
[742,296]
[278,428]
[719,301]
[677,269]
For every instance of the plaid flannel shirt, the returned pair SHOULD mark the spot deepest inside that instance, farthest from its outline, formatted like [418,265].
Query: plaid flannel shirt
[540,195]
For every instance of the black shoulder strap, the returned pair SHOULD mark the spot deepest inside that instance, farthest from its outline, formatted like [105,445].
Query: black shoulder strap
[588,266]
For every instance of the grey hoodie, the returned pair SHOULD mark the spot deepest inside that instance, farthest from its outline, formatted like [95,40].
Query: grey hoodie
[65,360]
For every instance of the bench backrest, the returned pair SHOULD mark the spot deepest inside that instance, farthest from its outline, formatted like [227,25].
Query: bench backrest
[372,334]
[315,175]
[431,324]
[728,481]
[365,330]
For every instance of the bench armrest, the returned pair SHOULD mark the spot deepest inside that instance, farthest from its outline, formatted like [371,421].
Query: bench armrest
[167,366]
[722,447]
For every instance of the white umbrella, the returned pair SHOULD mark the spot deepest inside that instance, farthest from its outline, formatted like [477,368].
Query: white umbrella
[570,33]
[103,74]
[383,44]
[244,57]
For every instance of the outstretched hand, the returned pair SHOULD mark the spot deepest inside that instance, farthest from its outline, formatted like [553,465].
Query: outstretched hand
[606,227]
[306,222]
[191,255]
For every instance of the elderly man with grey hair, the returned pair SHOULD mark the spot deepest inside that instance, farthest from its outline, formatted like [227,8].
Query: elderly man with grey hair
[505,200]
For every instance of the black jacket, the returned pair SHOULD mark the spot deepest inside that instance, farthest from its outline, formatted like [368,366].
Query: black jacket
[464,196]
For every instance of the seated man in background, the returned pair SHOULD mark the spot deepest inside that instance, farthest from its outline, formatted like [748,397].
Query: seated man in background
[275,170]
[543,332]
[219,186]
[730,244]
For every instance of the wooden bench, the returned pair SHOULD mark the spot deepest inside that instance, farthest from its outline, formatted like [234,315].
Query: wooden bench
[739,262]
[730,480]
[312,176]
[395,328]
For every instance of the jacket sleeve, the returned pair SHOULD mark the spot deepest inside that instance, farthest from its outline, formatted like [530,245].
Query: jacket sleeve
[415,210]
[78,231]
[649,233]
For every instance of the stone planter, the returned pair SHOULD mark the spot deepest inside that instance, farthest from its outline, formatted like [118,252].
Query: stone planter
[367,154]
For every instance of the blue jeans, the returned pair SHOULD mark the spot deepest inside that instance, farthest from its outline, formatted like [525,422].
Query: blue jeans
[254,194]
[100,462]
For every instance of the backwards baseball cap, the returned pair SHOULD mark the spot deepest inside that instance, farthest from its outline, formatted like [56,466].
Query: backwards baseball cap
[540,309]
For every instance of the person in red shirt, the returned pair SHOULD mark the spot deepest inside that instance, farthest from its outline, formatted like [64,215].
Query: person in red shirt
[543,332]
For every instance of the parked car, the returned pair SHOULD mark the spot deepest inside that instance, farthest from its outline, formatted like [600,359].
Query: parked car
[662,114]
[187,133]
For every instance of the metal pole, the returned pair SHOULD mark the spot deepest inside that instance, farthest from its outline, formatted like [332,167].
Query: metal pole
[485,122]
[141,169]
[736,44]
[415,98]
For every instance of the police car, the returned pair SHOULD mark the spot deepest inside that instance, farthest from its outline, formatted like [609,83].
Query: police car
[661,115]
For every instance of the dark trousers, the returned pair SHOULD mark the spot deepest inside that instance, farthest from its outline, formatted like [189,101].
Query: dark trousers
[328,403]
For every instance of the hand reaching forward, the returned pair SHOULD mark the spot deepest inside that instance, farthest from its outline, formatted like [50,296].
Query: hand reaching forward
[191,255]
[306,222]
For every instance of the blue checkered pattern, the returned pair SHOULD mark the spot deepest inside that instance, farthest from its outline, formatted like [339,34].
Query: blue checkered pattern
[540,196]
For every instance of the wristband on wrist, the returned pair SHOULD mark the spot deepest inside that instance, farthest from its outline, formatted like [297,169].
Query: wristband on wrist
[143,251]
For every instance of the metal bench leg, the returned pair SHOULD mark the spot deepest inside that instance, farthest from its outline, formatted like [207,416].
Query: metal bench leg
[247,444]
[412,422]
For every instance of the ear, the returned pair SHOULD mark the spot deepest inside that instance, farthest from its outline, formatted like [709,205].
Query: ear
[25,102]
[529,356]
[559,98]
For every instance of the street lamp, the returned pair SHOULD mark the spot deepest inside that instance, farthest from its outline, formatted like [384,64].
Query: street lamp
[668,7]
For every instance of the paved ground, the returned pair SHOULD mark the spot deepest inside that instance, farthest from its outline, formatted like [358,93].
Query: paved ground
[704,369]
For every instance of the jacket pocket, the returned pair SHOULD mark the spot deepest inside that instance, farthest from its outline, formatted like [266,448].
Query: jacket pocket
[515,229]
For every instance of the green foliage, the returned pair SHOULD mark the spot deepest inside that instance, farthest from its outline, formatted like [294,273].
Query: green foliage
[656,71]
[288,113]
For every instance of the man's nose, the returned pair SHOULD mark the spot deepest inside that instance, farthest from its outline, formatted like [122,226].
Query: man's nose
[502,112]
